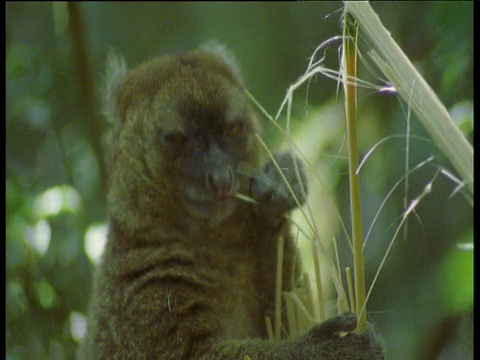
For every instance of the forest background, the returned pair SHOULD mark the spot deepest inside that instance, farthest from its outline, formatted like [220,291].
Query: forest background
[422,303]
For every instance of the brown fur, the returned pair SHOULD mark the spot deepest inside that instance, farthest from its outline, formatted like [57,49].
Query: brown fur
[177,284]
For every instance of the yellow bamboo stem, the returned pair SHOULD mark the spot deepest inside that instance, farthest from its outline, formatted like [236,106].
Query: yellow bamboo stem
[350,88]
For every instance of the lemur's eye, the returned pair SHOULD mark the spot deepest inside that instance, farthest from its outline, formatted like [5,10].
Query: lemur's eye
[235,129]
[175,138]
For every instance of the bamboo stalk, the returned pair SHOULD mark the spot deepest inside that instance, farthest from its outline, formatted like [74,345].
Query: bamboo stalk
[411,86]
[350,29]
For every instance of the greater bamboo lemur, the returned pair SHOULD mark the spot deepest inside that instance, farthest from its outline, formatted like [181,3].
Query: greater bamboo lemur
[188,270]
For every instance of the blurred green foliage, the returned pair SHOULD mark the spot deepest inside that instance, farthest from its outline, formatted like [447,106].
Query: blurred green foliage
[55,173]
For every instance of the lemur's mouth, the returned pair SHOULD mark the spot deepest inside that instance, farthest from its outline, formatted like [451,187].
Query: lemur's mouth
[216,209]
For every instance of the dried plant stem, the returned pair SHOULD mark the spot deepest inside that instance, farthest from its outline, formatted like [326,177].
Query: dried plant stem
[268,324]
[350,30]
[309,300]
[401,73]
[351,295]
[292,318]
[318,278]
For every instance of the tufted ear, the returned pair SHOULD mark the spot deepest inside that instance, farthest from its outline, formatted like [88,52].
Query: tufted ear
[114,77]
[220,50]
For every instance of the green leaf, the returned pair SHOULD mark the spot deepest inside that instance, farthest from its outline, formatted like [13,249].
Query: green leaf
[455,278]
